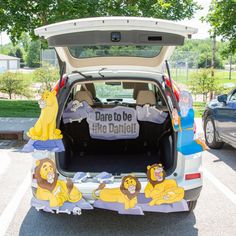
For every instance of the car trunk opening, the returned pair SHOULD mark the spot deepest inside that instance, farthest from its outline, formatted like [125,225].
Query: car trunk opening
[155,142]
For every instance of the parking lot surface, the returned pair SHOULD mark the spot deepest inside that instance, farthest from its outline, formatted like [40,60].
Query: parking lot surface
[215,213]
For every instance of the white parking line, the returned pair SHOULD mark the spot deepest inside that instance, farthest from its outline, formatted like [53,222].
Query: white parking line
[225,190]
[10,210]
[5,162]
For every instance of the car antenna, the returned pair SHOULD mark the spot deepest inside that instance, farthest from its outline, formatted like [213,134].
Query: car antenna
[82,74]
[99,72]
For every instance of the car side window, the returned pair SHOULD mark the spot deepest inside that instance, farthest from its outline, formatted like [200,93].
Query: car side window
[233,97]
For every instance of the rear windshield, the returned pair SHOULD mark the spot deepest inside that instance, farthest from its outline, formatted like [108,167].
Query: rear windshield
[146,51]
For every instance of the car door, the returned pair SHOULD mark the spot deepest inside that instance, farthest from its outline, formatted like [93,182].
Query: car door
[226,117]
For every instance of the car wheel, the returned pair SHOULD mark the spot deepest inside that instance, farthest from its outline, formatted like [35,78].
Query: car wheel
[210,134]
[192,205]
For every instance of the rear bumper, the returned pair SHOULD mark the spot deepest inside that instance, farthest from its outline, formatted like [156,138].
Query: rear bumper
[192,194]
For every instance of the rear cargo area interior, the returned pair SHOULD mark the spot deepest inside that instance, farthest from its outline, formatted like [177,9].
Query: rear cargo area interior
[154,144]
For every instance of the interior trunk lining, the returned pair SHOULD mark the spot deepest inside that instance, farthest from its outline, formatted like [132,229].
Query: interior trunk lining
[83,153]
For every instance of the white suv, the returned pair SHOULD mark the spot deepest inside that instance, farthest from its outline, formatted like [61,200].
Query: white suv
[118,62]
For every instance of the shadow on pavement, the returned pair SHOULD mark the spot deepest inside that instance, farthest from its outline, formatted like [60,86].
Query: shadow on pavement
[227,154]
[100,222]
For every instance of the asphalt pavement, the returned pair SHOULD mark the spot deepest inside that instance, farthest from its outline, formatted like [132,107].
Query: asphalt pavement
[215,213]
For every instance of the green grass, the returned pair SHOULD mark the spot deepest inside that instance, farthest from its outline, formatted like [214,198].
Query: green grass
[199,108]
[221,75]
[19,108]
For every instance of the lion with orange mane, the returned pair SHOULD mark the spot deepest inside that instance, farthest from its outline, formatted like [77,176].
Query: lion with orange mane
[161,190]
[50,188]
[127,192]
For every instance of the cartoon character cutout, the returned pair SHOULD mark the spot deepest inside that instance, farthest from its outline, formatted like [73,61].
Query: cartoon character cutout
[45,127]
[159,189]
[127,192]
[183,123]
[50,188]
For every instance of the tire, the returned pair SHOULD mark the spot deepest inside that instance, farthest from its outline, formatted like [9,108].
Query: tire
[192,205]
[210,134]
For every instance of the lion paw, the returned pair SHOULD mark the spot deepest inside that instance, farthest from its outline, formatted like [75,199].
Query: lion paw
[57,132]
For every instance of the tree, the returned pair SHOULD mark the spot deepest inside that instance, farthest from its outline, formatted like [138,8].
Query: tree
[14,83]
[199,53]
[203,83]
[19,54]
[33,54]
[222,18]
[25,15]
[47,75]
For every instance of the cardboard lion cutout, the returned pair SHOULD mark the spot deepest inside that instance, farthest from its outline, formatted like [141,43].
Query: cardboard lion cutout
[159,189]
[45,127]
[127,192]
[50,188]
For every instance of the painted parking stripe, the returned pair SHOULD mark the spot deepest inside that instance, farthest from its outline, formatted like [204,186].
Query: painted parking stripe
[9,212]
[5,162]
[225,190]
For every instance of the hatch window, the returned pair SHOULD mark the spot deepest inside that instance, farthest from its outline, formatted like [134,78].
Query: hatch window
[147,51]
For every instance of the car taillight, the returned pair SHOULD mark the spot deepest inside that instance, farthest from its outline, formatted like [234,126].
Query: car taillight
[176,89]
[193,176]
[63,83]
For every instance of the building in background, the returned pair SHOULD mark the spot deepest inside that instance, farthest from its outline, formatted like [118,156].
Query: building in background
[9,63]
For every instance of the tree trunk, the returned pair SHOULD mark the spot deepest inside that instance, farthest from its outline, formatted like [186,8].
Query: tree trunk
[230,66]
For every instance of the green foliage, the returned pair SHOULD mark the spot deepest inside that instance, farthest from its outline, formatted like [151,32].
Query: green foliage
[198,53]
[33,54]
[19,108]
[199,108]
[25,15]
[222,17]
[202,82]
[47,75]
[14,83]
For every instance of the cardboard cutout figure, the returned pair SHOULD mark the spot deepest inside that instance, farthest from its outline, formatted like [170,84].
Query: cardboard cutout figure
[44,135]
[159,189]
[45,127]
[126,194]
[50,188]
[183,122]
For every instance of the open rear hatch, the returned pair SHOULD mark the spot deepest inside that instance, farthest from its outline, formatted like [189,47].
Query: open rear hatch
[106,41]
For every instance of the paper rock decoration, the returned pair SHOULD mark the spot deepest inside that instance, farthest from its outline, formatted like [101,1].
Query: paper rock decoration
[183,122]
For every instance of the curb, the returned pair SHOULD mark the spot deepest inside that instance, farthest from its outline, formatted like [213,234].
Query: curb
[12,135]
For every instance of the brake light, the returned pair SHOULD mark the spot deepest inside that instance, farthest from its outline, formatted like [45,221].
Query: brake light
[193,176]
[63,83]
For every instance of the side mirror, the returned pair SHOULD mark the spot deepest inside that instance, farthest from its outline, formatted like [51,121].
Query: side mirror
[222,98]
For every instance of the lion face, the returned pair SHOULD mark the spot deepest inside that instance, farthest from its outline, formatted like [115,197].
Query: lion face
[47,99]
[130,186]
[45,173]
[156,173]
